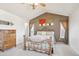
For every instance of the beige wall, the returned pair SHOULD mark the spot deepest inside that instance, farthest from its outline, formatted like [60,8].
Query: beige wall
[54,18]
[74,30]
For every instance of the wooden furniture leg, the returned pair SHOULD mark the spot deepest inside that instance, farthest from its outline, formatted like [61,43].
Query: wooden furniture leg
[50,49]
[24,43]
[28,45]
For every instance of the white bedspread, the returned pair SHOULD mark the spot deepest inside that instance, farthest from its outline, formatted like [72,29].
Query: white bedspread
[39,38]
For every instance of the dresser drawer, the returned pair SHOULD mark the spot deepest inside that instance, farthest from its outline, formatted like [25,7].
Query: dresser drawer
[1,42]
[7,39]
[1,46]
[8,46]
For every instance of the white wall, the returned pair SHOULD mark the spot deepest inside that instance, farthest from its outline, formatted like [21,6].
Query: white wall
[74,30]
[18,24]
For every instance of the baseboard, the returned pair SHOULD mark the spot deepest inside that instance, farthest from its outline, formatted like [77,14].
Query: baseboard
[74,50]
[21,43]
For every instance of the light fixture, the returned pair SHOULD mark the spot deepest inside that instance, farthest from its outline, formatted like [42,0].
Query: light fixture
[34,5]
[47,24]
[44,24]
[39,24]
[26,24]
[51,24]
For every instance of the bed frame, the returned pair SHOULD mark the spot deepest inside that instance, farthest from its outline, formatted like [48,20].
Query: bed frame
[38,46]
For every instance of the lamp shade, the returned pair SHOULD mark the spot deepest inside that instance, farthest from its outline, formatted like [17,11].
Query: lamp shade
[39,24]
[26,24]
[51,23]
[44,24]
[47,24]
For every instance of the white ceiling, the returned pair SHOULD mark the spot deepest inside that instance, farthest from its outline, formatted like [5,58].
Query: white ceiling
[25,11]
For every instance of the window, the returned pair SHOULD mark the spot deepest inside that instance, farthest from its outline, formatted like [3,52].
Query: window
[62,31]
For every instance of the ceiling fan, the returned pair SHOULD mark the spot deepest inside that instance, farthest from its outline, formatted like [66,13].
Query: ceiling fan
[34,5]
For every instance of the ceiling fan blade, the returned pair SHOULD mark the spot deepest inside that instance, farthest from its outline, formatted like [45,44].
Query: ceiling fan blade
[33,6]
[42,4]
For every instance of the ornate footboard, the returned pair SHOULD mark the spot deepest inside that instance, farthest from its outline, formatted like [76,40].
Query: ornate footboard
[44,46]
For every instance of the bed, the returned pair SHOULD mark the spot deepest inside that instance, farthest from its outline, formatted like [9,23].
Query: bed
[42,42]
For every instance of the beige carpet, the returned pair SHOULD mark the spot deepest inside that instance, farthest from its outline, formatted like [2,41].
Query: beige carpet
[60,49]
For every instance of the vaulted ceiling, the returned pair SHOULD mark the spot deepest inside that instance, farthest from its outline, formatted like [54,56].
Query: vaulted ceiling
[25,11]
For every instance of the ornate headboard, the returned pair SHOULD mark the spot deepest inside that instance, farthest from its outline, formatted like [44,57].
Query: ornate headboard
[50,33]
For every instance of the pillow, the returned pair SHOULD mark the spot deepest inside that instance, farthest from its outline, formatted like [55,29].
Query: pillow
[39,33]
[43,33]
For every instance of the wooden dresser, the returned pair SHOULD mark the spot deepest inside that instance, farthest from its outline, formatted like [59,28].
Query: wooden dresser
[7,39]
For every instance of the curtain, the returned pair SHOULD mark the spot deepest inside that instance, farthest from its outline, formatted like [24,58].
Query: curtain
[32,30]
[62,30]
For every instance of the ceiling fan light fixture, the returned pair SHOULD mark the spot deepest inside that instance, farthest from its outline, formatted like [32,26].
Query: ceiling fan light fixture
[34,5]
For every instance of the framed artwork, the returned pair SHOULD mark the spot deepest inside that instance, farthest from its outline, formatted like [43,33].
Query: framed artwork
[5,22]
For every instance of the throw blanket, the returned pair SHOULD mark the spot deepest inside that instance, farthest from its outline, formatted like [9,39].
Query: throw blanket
[38,38]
